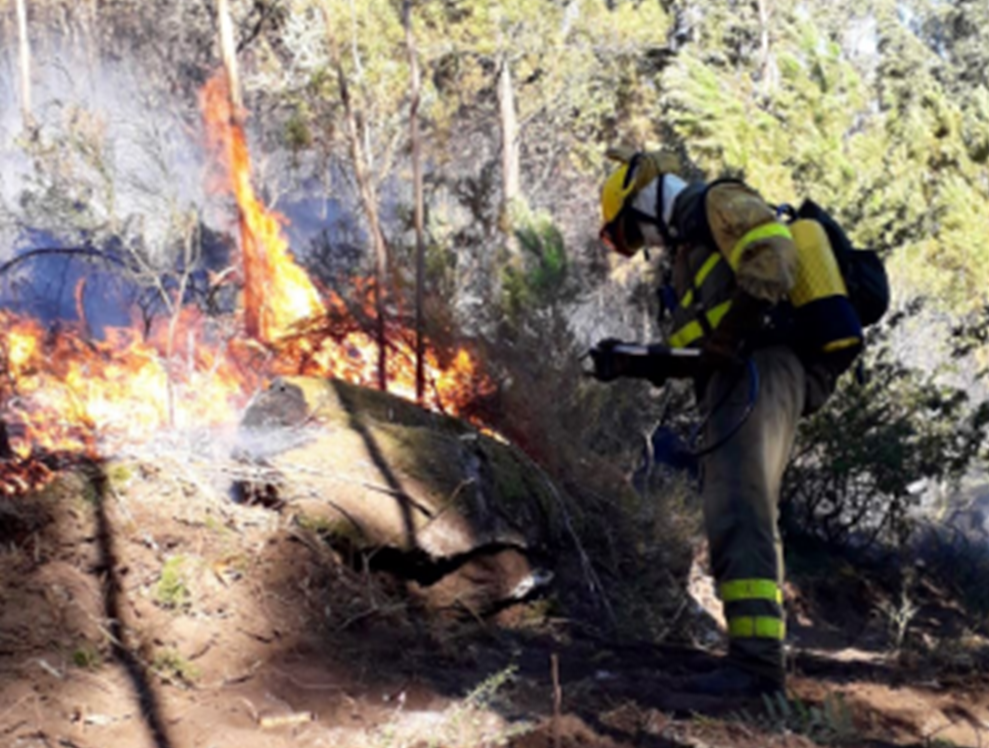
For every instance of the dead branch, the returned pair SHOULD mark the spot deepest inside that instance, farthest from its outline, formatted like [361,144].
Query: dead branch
[49,251]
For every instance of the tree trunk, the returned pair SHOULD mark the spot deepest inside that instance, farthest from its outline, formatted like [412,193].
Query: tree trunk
[25,63]
[228,51]
[369,200]
[510,168]
[767,64]
[252,254]
[418,217]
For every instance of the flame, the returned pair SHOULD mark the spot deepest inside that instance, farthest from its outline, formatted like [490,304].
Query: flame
[277,292]
[65,393]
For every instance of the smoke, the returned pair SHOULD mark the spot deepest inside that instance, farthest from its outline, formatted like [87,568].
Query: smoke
[130,148]
[113,163]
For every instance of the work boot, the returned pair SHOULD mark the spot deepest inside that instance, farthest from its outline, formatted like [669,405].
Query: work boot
[731,681]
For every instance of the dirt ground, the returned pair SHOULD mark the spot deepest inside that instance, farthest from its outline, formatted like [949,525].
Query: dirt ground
[140,607]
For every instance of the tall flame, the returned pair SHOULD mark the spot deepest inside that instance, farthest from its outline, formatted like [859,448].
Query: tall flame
[64,392]
[277,292]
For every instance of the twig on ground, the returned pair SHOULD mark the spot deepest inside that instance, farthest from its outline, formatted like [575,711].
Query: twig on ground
[367,614]
[251,709]
[282,720]
[557,698]
[6,713]
[306,686]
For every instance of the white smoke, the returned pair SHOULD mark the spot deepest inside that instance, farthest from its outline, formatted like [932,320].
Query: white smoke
[125,150]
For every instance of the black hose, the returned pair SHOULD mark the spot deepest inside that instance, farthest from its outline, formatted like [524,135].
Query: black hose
[753,372]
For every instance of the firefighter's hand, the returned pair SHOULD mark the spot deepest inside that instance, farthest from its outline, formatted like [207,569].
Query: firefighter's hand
[608,363]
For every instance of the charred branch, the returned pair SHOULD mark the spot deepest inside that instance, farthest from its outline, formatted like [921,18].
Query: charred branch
[6,452]
[66,251]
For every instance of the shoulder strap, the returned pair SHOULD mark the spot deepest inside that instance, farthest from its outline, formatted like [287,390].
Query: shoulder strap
[690,222]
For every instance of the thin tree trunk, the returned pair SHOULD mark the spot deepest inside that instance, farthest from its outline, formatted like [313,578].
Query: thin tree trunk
[369,202]
[768,69]
[510,168]
[25,63]
[418,217]
[228,51]
[253,258]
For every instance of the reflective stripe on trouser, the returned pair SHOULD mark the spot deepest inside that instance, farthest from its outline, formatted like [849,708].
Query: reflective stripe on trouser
[753,608]
[740,491]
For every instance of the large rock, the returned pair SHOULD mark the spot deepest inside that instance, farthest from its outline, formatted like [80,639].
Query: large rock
[459,514]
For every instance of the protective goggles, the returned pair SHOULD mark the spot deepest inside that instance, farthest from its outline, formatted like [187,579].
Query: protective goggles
[623,235]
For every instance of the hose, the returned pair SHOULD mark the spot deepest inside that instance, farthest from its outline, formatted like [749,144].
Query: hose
[753,376]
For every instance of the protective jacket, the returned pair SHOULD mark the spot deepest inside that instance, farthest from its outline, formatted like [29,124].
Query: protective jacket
[730,242]
[733,250]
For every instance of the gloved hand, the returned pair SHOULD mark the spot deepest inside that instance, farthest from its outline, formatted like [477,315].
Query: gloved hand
[608,364]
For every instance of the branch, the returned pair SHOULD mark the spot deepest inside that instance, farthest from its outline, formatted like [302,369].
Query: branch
[48,251]
[265,12]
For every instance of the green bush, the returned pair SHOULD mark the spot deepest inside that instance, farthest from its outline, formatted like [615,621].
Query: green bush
[857,458]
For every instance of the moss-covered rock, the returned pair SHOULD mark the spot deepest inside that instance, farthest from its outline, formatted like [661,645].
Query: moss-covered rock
[381,472]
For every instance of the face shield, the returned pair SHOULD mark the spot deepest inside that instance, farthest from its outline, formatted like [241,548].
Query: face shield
[623,234]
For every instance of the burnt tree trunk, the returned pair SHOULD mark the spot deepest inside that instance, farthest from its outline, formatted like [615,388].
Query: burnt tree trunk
[252,253]
[418,217]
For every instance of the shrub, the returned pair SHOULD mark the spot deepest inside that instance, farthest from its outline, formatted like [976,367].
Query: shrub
[857,459]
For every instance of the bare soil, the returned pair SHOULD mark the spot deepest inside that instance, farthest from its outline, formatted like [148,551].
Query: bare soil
[140,607]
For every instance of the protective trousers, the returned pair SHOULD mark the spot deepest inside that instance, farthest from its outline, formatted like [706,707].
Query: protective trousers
[740,489]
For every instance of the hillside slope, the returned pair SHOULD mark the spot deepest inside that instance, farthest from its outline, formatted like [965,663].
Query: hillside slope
[365,597]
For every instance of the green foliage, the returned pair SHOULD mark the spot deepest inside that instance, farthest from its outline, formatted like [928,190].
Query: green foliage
[482,696]
[541,281]
[172,590]
[87,657]
[879,114]
[829,723]
[172,667]
[908,426]
[960,565]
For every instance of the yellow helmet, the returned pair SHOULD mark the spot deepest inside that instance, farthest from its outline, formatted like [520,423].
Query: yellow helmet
[616,190]
[637,169]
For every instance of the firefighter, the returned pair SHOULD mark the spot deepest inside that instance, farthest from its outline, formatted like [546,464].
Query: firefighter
[732,264]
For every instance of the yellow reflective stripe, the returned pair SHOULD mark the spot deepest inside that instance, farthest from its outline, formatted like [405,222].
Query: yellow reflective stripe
[750,589]
[686,335]
[709,264]
[756,627]
[706,269]
[759,233]
[837,345]
[694,331]
[715,315]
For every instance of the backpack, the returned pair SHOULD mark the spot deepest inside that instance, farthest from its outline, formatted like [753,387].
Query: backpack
[810,328]
[862,269]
